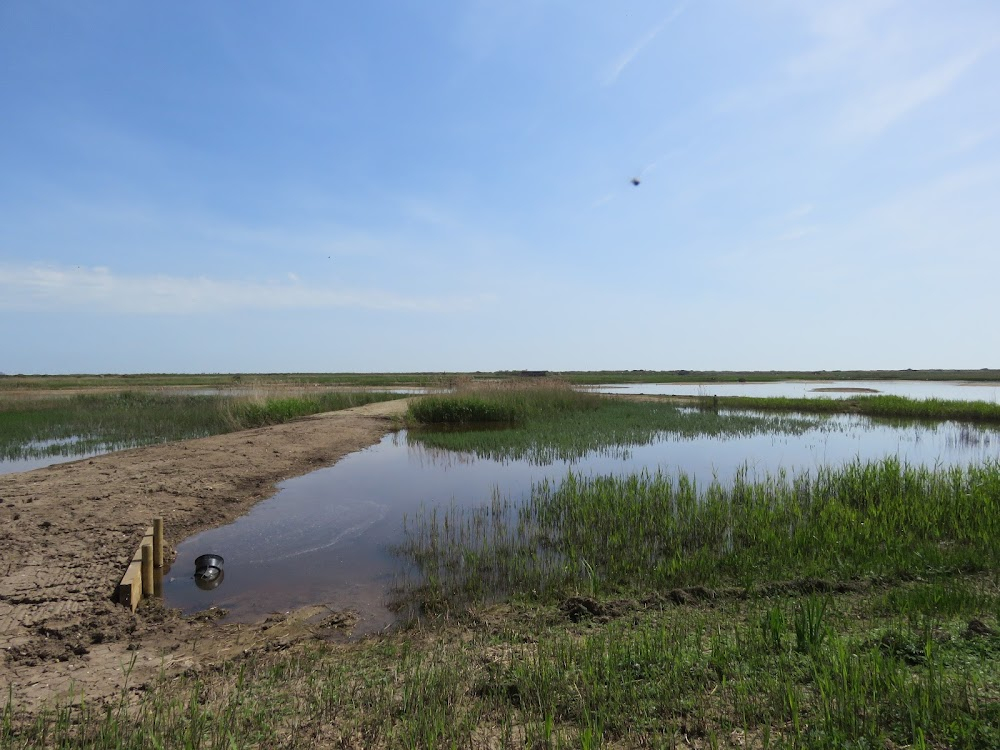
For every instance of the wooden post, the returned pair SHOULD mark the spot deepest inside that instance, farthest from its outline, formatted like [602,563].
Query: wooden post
[130,590]
[147,570]
[158,542]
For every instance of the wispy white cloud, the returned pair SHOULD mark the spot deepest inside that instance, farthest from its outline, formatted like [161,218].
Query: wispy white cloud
[846,33]
[37,288]
[878,109]
[885,59]
[868,64]
[633,52]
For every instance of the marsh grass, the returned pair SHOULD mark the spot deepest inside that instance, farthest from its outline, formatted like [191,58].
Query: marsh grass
[507,402]
[872,406]
[907,658]
[620,535]
[263,407]
[81,424]
[566,429]
[732,672]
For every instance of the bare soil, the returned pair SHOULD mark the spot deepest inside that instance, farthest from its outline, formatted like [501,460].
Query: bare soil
[67,533]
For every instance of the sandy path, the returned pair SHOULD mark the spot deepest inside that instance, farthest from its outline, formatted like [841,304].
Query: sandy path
[67,532]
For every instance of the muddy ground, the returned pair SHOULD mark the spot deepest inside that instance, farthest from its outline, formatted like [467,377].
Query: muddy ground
[67,533]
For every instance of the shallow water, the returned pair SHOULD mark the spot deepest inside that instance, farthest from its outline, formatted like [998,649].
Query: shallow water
[67,451]
[325,537]
[41,453]
[916,389]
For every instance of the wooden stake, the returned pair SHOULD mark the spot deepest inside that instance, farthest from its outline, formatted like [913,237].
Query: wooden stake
[130,589]
[147,569]
[158,542]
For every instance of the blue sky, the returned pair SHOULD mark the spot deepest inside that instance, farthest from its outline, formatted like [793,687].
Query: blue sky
[390,186]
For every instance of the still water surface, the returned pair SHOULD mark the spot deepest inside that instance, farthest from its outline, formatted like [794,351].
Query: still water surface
[917,389]
[63,451]
[325,537]
[948,390]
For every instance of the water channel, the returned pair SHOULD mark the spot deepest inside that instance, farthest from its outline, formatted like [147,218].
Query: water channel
[326,537]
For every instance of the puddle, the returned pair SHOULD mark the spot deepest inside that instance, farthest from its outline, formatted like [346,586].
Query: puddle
[324,538]
[916,389]
[40,453]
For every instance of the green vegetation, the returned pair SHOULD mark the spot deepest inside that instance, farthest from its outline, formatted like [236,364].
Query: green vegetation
[607,377]
[587,424]
[76,425]
[629,535]
[500,404]
[872,406]
[245,413]
[789,670]
[851,607]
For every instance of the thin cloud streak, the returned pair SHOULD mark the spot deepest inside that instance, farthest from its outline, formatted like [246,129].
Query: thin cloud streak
[870,62]
[630,54]
[881,108]
[52,288]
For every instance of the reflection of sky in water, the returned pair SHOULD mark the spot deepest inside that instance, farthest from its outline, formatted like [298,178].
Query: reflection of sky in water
[68,450]
[945,390]
[323,538]
[799,389]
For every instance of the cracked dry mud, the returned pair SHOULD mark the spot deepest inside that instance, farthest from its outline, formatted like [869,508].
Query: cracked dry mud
[68,531]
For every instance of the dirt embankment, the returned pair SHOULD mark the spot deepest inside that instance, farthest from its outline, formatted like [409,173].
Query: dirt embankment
[68,531]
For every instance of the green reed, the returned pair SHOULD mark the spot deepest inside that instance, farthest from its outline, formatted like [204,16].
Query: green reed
[873,406]
[732,672]
[75,425]
[626,534]
[608,426]
[510,403]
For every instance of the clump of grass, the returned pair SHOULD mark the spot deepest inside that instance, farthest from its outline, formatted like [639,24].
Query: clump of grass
[947,598]
[617,535]
[503,402]
[873,406]
[608,426]
[265,409]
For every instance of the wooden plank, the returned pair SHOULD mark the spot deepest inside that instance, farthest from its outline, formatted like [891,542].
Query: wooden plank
[130,588]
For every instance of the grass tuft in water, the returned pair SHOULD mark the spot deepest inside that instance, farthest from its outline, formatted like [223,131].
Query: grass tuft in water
[504,402]
[624,535]
[608,426]
[872,406]
[76,425]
